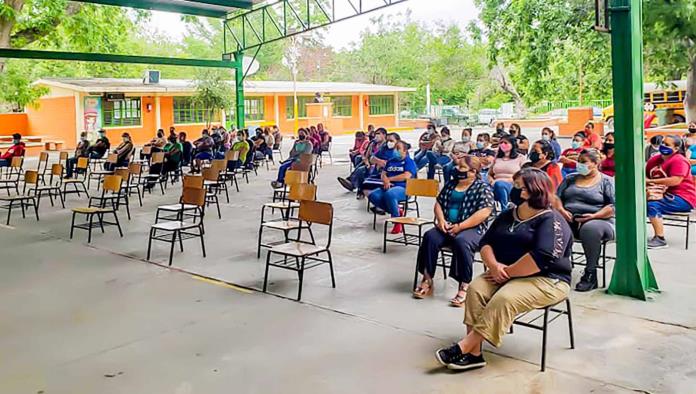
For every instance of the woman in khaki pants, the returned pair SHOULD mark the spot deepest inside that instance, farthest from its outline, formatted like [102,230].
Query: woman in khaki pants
[527,255]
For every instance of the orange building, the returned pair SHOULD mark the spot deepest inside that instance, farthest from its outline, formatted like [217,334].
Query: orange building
[118,105]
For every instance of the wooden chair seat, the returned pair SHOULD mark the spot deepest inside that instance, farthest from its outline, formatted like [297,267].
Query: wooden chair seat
[282,205]
[176,207]
[72,180]
[175,226]
[92,210]
[15,198]
[298,249]
[412,221]
[101,172]
[291,224]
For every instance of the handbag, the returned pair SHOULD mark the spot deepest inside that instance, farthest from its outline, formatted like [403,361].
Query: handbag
[656,192]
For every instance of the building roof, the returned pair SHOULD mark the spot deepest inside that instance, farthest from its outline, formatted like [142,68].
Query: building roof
[124,85]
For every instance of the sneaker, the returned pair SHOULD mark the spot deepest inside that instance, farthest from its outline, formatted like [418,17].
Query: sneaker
[587,282]
[657,243]
[360,196]
[445,356]
[467,362]
[377,211]
[346,184]
[276,185]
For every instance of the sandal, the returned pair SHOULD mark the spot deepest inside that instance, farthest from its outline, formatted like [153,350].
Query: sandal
[458,300]
[422,292]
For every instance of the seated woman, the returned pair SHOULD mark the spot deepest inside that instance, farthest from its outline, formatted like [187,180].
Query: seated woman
[484,152]
[507,162]
[82,150]
[123,151]
[393,186]
[187,152]
[547,134]
[301,146]
[653,148]
[467,140]
[461,212]
[569,157]
[101,146]
[586,201]
[203,150]
[541,157]
[672,170]
[439,154]
[358,151]
[691,147]
[240,145]
[608,166]
[527,255]
[156,145]
[173,153]
[522,140]
[425,145]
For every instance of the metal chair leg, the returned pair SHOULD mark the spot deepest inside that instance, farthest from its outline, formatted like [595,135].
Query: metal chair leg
[171,248]
[543,339]
[570,324]
[333,278]
[265,276]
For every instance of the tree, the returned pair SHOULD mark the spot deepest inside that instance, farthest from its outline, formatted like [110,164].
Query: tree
[670,44]
[17,91]
[213,92]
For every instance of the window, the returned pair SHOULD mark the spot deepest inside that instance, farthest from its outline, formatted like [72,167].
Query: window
[302,102]
[187,111]
[381,105]
[121,112]
[342,105]
[253,108]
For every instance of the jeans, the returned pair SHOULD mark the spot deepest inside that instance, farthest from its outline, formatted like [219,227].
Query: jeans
[433,160]
[4,163]
[95,155]
[120,163]
[233,165]
[591,234]
[669,204]
[447,171]
[565,171]
[421,158]
[501,193]
[463,245]
[284,167]
[70,166]
[388,200]
[357,160]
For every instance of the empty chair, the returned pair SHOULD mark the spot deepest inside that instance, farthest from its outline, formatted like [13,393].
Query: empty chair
[23,200]
[181,211]
[291,177]
[111,160]
[211,182]
[52,188]
[414,188]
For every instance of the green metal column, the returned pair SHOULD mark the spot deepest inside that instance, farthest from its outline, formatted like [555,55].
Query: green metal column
[632,274]
[239,88]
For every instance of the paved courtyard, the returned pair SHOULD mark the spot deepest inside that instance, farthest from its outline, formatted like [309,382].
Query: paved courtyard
[98,318]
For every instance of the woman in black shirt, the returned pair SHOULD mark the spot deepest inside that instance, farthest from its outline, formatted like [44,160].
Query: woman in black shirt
[527,254]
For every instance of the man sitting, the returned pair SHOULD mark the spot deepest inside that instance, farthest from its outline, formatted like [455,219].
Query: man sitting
[100,147]
[302,147]
[82,150]
[16,150]
[203,150]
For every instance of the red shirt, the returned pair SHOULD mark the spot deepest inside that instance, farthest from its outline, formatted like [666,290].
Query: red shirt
[13,151]
[554,172]
[677,165]
[568,152]
[608,166]
[593,141]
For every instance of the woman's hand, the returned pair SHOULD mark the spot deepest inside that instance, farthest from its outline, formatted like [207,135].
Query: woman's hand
[443,226]
[566,215]
[455,229]
[496,274]
[584,218]
[387,183]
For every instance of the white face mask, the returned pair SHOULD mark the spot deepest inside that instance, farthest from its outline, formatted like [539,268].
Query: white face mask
[391,144]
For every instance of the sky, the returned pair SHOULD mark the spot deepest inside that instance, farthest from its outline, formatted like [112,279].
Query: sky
[341,34]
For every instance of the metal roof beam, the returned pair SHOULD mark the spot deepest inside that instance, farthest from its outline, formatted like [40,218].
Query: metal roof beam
[112,58]
[207,8]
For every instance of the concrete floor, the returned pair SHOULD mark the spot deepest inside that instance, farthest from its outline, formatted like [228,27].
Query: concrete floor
[97,318]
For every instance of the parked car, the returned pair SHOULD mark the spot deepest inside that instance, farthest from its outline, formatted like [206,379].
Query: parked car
[487,116]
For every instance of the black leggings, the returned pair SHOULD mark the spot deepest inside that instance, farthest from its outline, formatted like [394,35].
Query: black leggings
[464,245]
[591,234]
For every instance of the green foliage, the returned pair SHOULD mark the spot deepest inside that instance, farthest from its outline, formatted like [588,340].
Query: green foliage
[213,92]
[670,37]
[17,91]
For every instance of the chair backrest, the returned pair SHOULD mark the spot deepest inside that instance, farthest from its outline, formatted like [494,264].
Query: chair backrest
[43,158]
[31,177]
[211,174]
[193,196]
[147,150]
[293,177]
[17,162]
[193,181]
[304,163]
[157,157]
[83,163]
[422,187]
[135,168]
[219,165]
[302,192]
[124,173]
[316,212]
[57,169]
[112,158]
[62,156]
[112,183]
[232,155]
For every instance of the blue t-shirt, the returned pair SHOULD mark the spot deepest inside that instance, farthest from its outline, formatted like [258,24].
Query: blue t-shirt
[456,202]
[399,166]
[384,153]
[692,156]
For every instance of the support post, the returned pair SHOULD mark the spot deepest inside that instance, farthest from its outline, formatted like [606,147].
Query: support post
[239,89]
[632,275]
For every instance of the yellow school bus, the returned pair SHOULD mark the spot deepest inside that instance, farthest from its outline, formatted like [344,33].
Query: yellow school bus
[668,95]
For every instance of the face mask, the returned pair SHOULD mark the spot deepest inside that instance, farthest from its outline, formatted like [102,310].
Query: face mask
[505,147]
[534,157]
[391,144]
[396,155]
[466,139]
[575,144]
[126,139]
[16,142]
[583,169]
[480,145]
[516,196]
[692,130]
[302,137]
[608,146]
[546,137]
[458,175]
[240,138]
[83,139]
[666,150]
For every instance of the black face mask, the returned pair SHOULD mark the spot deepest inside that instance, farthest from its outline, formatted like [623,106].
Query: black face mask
[607,146]
[692,130]
[302,137]
[516,196]
[534,157]
[459,175]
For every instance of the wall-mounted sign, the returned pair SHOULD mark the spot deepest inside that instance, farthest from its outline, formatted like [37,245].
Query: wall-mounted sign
[92,114]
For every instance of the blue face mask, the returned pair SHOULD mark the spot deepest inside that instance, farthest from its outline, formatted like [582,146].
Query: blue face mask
[480,145]
[575,144]
[396,155]
[546,137]
[666,150]
[583,169]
